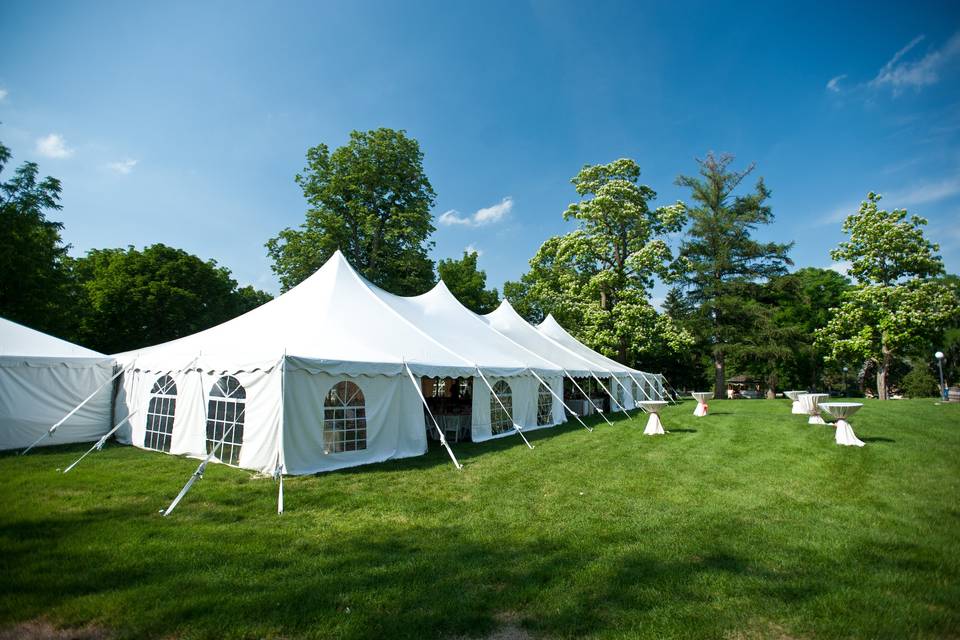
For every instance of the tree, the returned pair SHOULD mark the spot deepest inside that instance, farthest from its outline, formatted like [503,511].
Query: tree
[723,261]
[33,280]
[371,199]
[467,283]
[897,304]
[130,298]
[596,279]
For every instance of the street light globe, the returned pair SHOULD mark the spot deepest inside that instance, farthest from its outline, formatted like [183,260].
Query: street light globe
[938,355]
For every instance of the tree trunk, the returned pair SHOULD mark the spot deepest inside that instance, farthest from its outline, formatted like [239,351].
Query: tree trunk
[882,370]
[720,382]
[772,386]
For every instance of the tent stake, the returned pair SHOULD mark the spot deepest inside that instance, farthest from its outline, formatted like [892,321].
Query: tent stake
[99,444]
[573,413]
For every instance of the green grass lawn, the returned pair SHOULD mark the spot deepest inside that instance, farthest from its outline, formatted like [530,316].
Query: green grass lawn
[746,524]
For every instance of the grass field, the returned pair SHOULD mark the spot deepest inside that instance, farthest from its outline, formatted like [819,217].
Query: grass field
[746,524]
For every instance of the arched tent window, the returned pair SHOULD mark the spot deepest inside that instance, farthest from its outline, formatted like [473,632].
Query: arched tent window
[225,412]
[160,412]
[344,419]
[544,405]
[621,393]
[499,419]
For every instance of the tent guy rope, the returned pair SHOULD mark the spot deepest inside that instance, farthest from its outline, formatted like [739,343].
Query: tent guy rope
[572,412]
[516,427]
[443,439]
[99,443]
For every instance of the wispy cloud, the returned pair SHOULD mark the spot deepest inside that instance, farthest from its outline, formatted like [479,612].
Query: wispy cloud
[925,192]
[472,248]
[834,83]
[481,217]
[123,167]
[900,74]
[53,146]
[3,94]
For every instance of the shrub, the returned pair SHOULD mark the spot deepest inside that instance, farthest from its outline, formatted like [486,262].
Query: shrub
[920,383]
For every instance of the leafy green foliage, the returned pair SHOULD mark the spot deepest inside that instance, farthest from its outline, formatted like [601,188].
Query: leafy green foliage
[371,199]
[920,383]
[596,279]
[130,299]
[723,263]
[33,280]
[467,283]
[747,524]
[896,305]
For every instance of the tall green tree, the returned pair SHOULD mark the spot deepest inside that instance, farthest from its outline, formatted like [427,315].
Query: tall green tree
[130,298]
[371,199]
[897,302]
[596,279]
[723,260]
[33,281]
[467,283]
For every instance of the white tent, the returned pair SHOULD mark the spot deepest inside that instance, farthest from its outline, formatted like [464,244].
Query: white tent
[42,379]
[645,386]
[327,376]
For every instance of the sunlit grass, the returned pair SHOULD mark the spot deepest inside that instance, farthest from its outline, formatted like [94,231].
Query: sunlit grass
[748,523]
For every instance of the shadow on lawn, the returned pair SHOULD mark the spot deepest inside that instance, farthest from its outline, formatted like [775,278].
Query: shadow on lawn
[381,580]
[876,439]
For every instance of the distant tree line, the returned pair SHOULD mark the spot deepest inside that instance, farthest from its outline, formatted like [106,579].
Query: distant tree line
[734,307]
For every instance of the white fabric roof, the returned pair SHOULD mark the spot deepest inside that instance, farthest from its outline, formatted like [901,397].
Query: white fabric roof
[337,322]
[507,321]
[19,341]
[552,329]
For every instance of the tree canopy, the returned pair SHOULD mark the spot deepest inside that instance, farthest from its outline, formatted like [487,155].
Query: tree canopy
[896,304]
[371,199]
[467,283]
[129,298]
[33,280]
[723,262]
[596,279]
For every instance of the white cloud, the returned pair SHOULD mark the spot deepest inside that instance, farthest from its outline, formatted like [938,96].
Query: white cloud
[482,217]
[3,94]
[924,193]
[841,267]
[834,83]
[899,74]
[123,167]
[471,248]
[53,146]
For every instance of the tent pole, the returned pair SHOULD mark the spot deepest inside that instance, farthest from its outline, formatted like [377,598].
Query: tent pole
[50,431]
[516,427]
[587,396]
[203,465]
[573,413]
[99,444]
[443,439]
[612,399]
[278,472]
[624,387]
[640,386]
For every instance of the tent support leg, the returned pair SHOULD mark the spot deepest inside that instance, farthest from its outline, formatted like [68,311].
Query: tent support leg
[561,401]
[587,396]
[516,427]
[51,430]
[443,438]
[612,399]
[99,444]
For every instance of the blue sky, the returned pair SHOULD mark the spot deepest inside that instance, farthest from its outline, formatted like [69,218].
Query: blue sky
[184,123]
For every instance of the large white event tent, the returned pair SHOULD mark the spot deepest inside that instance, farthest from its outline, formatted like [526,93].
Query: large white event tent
[42,379]
[328,375]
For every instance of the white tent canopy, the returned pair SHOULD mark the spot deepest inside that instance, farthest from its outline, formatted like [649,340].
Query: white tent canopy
[317,379]
[42,379]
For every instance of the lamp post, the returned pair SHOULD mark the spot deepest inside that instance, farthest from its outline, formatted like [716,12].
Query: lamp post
[845,369]
[943,388]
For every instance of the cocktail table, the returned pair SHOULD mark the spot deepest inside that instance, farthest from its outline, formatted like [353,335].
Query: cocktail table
[654,426]
[842,411]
